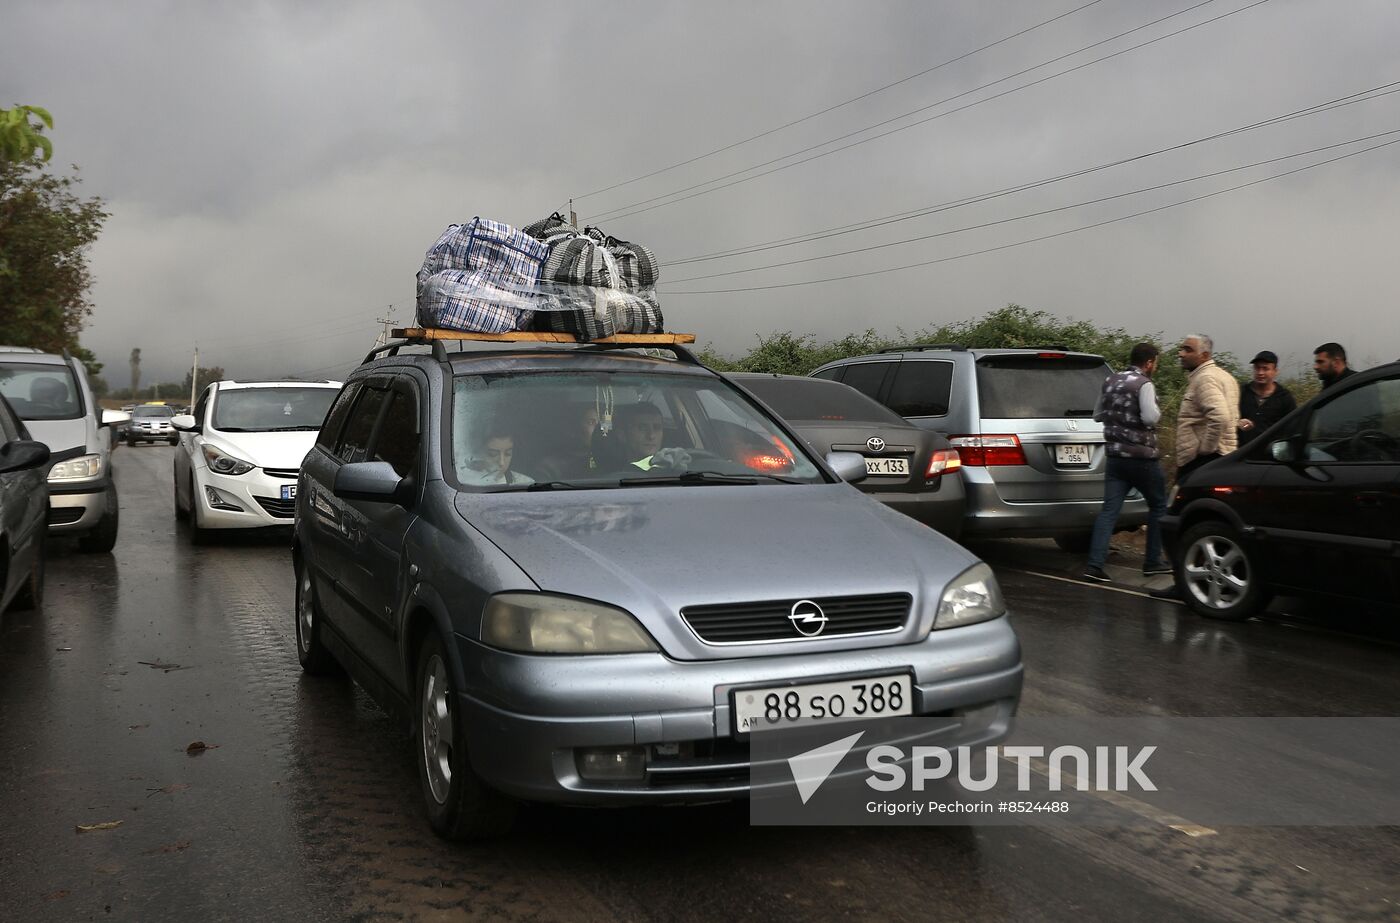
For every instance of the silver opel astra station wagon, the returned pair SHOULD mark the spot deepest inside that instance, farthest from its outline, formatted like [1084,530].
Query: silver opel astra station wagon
[589,574]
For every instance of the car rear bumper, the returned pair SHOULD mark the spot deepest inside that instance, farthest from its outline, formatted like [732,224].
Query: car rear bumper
[989,516]
[524,731]
[942,509]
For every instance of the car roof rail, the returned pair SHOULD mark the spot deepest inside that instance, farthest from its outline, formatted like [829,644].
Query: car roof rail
[919,347]
[436,338]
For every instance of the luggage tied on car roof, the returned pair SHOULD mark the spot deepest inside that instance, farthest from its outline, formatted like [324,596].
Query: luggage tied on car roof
[489,277]
[477,276]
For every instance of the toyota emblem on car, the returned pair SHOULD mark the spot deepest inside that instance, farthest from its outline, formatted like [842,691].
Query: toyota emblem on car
[808,618]
[875,444]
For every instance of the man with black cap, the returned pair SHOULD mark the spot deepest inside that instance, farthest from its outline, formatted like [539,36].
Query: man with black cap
[1265,401]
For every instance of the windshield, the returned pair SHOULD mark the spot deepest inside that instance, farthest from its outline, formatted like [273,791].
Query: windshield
[41,392]
[270,410]
[1024,387]
[814,400]
[523,431]
[162,412]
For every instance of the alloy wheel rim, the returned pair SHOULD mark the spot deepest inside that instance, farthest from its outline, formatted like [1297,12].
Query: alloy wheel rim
[1216,572]
[305,613]
[436,731]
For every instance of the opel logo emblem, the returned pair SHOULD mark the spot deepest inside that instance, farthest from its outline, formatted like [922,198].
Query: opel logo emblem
[875,444]
[1072,425]
[808,618]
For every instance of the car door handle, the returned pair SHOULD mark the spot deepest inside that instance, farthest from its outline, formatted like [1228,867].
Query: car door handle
[1370,499]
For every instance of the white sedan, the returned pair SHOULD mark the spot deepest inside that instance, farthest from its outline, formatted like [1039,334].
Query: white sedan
[241,451]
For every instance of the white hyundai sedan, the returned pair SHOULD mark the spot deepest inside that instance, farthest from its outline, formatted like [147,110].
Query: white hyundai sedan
[241,451]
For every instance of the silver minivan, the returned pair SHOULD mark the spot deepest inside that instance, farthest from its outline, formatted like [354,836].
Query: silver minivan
[1033,458]
[50,393]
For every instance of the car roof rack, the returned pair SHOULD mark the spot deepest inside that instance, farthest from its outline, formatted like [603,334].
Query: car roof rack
[919,347]
[436,337]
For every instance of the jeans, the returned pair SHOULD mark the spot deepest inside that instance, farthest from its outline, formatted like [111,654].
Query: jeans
[1122,475]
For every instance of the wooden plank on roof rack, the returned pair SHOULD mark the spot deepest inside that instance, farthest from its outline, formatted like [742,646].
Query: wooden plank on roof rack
[526,336]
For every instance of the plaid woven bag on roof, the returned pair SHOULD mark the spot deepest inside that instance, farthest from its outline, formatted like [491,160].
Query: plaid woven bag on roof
[546,228]
[635,312]
[488,256]
[461,299]
[636,263]
[584,270]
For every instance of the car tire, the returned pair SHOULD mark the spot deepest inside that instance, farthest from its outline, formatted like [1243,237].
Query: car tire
[103,537]
[315,658]
[198,534]
[459,805]
[1216,573]
[31,592]
[1077,543]
[181,514]
[173,441]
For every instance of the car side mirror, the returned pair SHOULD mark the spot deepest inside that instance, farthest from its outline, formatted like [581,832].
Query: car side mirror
[849,466]
[374,481]
[184,423]
[114,418]
[1286,451]
[21,455]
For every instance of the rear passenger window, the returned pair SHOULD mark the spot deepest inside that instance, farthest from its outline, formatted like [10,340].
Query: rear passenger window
[830,374]
[867,377]
[921,388]
[397,442]
[330,430]
[353,445]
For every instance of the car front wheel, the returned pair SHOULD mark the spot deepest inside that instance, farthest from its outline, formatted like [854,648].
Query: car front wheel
[315,658]
[460,806]
[1217,573]
[103,537]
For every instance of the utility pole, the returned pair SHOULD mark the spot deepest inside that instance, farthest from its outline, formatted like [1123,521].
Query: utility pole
[387,322]
[194,375]
[573,219]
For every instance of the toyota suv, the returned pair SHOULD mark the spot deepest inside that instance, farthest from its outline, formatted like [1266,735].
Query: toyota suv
[1022,420]
[688,573]
[51,395]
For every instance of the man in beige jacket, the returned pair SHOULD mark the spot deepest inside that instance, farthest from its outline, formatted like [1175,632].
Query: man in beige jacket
[1206,425]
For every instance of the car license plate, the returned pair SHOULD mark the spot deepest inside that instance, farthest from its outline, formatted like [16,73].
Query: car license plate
[289,491]
[818,703]
[1072,455]
[895,466]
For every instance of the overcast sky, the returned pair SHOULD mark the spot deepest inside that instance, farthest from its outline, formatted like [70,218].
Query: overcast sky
[275,171]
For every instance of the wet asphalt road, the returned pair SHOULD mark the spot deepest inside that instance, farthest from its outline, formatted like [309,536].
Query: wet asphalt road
[305,805]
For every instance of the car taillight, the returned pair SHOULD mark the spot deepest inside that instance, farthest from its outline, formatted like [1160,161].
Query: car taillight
[943,462]
[987,451]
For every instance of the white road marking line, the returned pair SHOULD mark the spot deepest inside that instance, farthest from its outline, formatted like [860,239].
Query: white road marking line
[1095,586]
[1126,802]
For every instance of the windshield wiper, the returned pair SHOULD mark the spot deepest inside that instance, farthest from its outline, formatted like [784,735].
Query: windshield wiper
[551,485]
[1079,413]
[304,428]
[692,477]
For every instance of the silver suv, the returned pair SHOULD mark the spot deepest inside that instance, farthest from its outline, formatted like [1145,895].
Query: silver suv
[1022,420]
[51,395]
[588,575]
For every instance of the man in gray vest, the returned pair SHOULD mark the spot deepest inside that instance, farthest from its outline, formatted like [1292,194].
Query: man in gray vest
[1128,410]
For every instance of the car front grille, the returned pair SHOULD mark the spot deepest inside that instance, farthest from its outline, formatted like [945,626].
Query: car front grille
[282,509]
[288,473]
[62,515]
[744,623]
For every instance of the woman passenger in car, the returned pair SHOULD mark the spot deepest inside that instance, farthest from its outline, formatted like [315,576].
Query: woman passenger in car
[492,464]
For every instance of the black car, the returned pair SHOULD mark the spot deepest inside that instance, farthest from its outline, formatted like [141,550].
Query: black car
[1310,508]
[908,468]
[24,503]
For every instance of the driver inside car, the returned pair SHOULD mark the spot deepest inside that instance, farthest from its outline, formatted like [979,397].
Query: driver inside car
[641,429]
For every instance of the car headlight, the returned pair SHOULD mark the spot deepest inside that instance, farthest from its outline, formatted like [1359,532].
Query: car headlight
[536,623]
[973,597]
[87,466]
[223,463]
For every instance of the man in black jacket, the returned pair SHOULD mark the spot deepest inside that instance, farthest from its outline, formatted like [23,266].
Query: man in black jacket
[1264,401]
[1330,364]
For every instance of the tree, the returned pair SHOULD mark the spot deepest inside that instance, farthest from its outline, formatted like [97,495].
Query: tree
[207,376]
[45,231]
[20,137]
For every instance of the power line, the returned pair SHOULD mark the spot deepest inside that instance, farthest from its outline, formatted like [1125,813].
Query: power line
[1042,213]
[886,220]
[1021,243]
[622,212]
[854,99]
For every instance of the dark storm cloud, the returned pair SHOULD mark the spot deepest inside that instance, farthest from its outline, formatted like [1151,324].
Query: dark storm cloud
[275,171]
